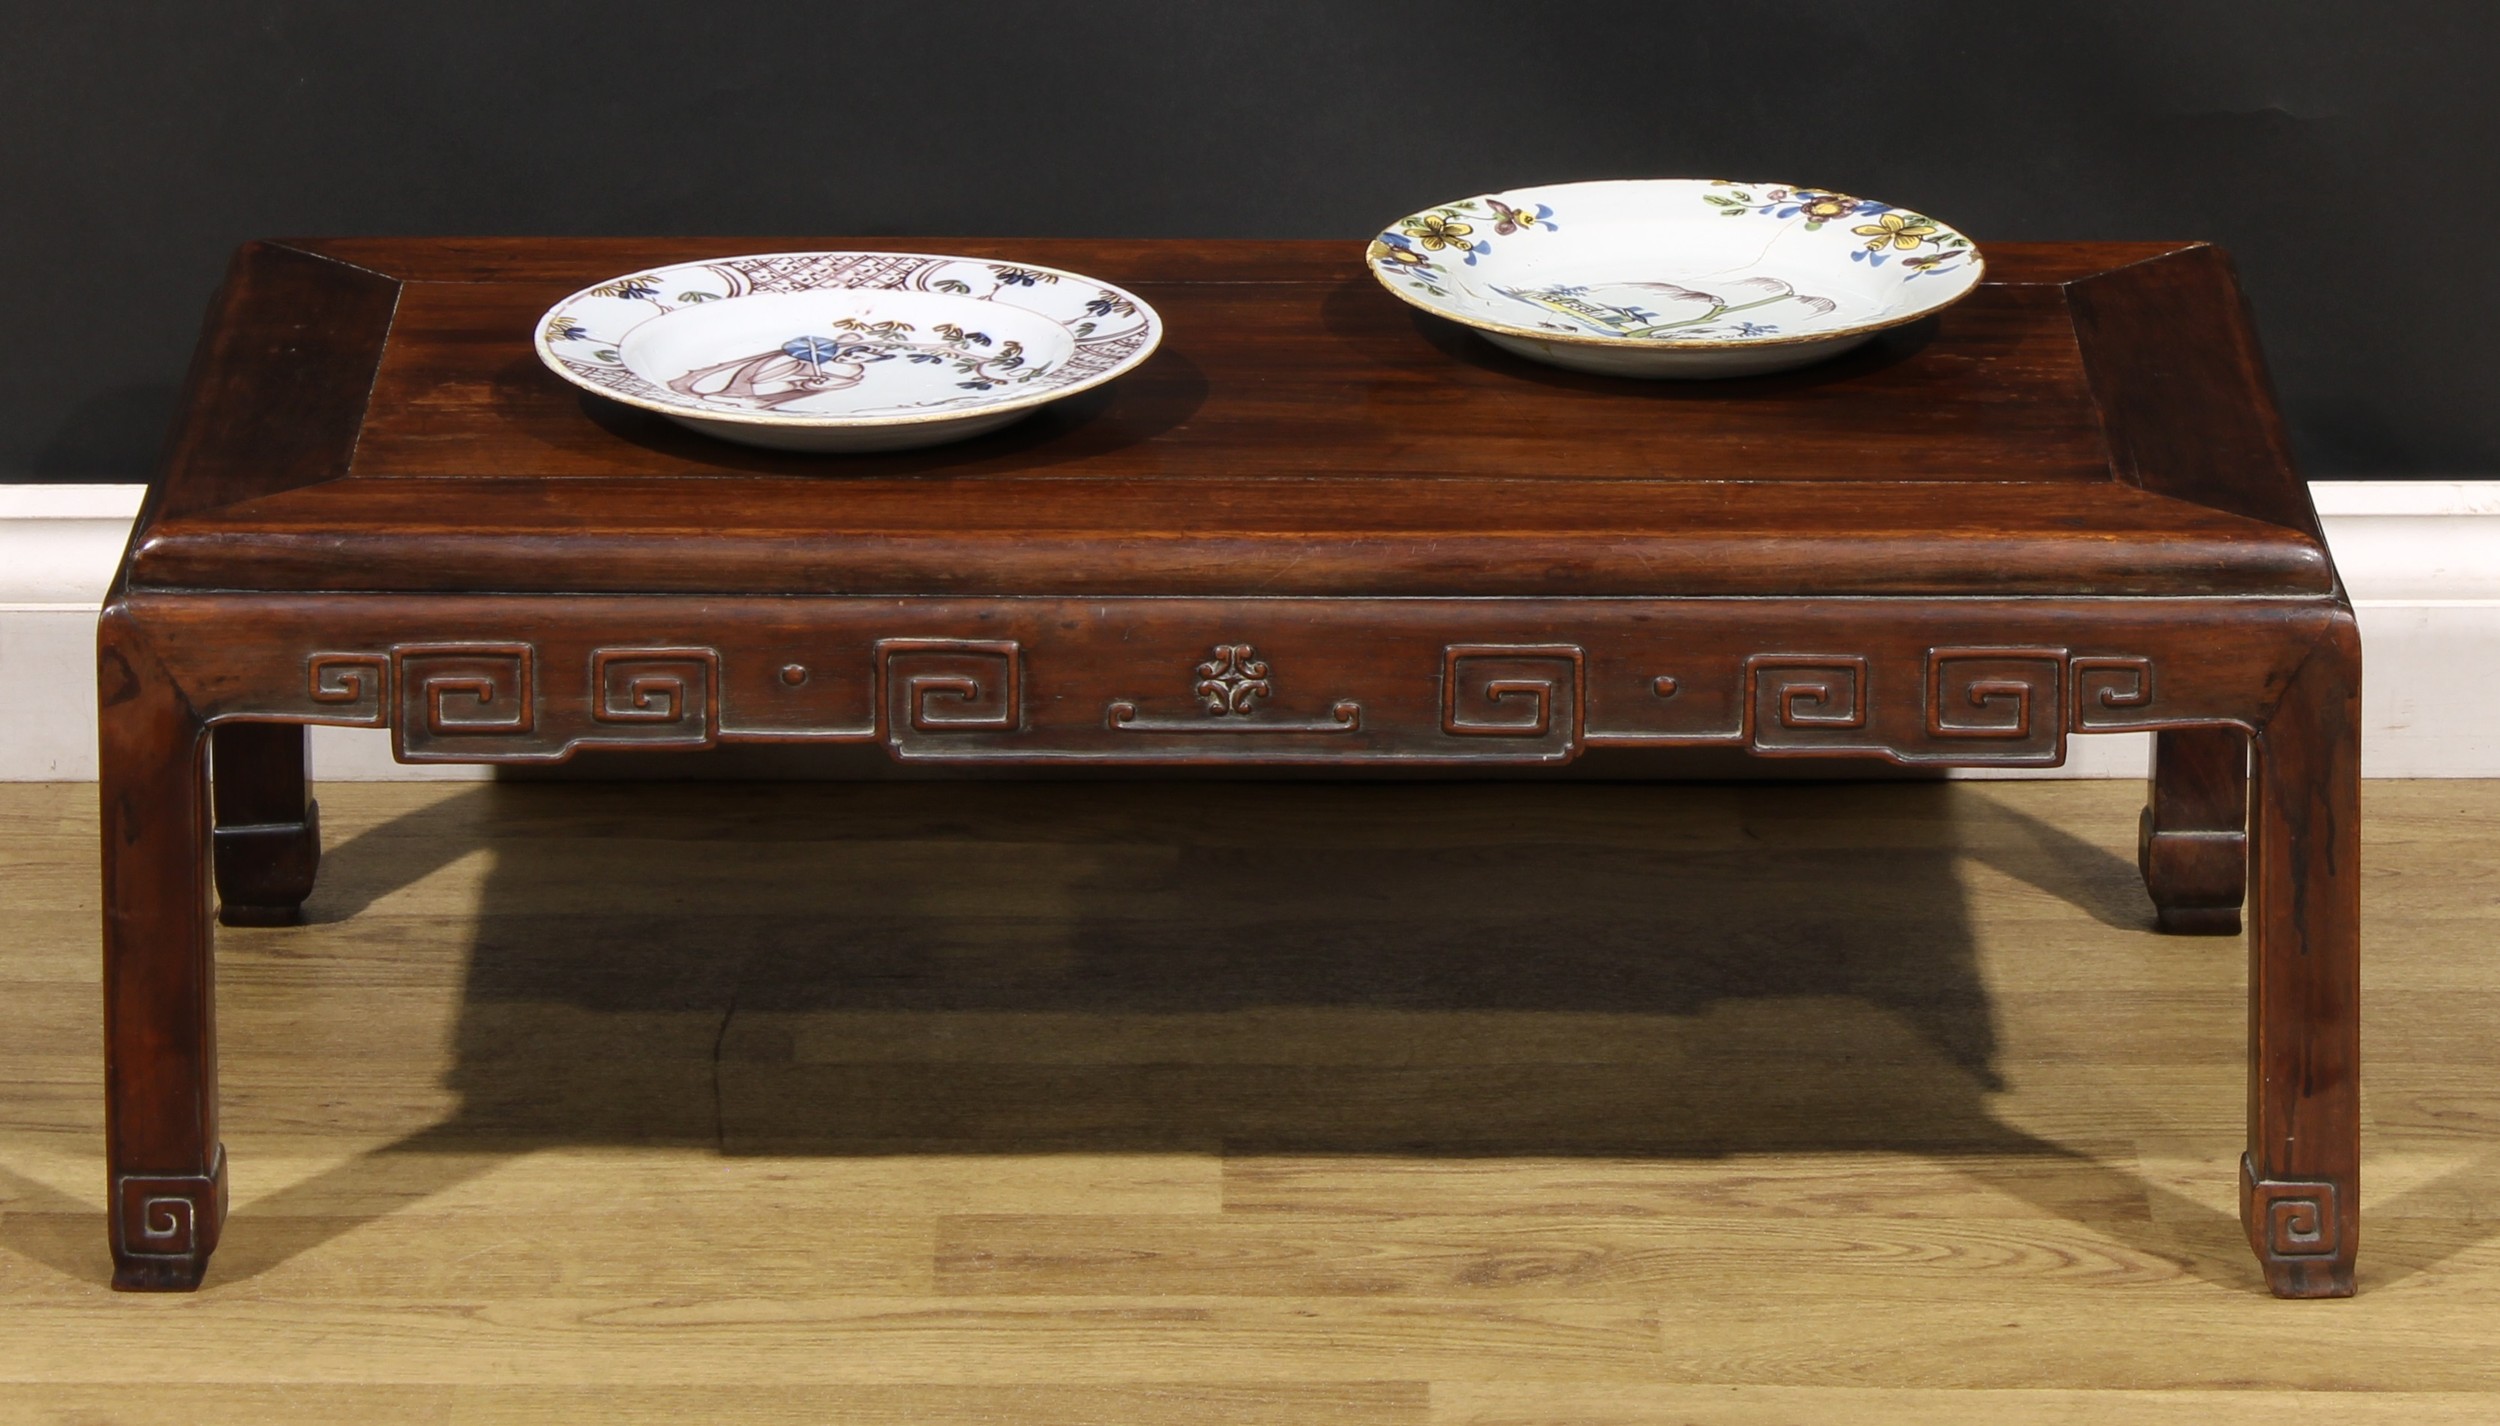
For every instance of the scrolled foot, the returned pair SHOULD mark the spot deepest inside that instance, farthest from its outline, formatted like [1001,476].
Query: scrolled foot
[2301,1233]
[166,1226]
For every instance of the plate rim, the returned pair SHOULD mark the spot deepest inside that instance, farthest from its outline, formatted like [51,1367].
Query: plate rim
[1978,273]
[1152,326]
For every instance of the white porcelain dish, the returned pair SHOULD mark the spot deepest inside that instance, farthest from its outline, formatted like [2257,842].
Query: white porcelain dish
[1675,277]
[846,351]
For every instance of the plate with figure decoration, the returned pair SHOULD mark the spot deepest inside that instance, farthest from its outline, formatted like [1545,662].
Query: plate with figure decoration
[1675,277]
[846,351]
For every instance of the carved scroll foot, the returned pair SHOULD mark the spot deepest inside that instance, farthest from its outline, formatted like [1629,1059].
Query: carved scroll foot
[2296,1230]
[165,1227]
[268,836]
[2192,842]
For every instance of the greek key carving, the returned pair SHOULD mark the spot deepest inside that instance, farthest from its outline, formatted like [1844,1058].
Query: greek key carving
[2301,1225]
[1990,693]
[450,693]
[1828,694]
[926,697]
[348,688]
[2010,696]
[1511,690]
[2292,1219]
[946,686]
[659,697]
[170,1216]
[2111,692]
[1806,703]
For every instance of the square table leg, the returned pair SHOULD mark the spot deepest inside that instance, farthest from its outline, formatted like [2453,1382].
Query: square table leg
[2300,1179]
[268,837]
[166,1172]
[2192,843]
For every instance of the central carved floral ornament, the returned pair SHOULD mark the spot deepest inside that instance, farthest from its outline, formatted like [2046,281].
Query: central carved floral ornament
[1232,680]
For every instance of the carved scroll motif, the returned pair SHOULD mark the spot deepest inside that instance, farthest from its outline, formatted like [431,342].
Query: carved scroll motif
[965,698]
[1807,703]
[457,701]
[349,689]
[939,687]
[1232,680]
[2292,1220]
[2112,693]
[1979,705]
[1523,691]
[165,1223]
[2013,697]
[655,697]
[168,1216]
[1228,685]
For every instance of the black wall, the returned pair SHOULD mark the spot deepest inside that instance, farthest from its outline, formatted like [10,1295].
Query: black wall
[2344,152]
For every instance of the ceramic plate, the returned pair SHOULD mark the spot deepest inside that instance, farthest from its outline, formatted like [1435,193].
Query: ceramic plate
[846,351]
[1675,277]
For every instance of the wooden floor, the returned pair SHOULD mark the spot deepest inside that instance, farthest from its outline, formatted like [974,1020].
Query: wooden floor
[1183,1103]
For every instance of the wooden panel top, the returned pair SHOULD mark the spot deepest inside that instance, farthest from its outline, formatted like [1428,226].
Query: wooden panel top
[369,415]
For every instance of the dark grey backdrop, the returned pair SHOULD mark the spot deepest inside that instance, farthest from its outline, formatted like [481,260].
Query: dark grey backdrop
[2345,152]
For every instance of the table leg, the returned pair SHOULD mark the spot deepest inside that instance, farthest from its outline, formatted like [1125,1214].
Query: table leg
[268,838]
[2300,1180]
[165,1169]
[2192,843]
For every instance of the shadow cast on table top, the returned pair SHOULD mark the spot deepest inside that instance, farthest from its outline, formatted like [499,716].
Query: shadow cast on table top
[1430,970]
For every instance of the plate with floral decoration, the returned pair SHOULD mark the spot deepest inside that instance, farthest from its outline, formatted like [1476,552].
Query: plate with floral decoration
[1675,277]
[846,351]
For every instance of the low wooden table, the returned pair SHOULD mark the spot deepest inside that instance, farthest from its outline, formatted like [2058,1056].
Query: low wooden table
[1317,528]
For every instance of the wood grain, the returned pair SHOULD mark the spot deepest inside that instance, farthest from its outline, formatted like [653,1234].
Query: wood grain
[415,1239]
[1299,432]
[1223,534]
[294,337]
[2167,335]
[1995,391]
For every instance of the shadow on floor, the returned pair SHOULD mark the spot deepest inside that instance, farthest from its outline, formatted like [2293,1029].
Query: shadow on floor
[1437,970]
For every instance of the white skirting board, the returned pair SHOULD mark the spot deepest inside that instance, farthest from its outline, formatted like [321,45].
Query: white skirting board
[2421,558]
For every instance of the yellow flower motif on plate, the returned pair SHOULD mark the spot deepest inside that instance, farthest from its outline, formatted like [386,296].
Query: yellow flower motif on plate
[1895,230]
[1436,232]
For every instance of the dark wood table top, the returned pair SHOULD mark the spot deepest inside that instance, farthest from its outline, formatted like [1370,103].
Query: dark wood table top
[367,414]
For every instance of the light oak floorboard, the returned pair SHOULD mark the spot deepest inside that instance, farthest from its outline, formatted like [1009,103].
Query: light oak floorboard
[1437,1105]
